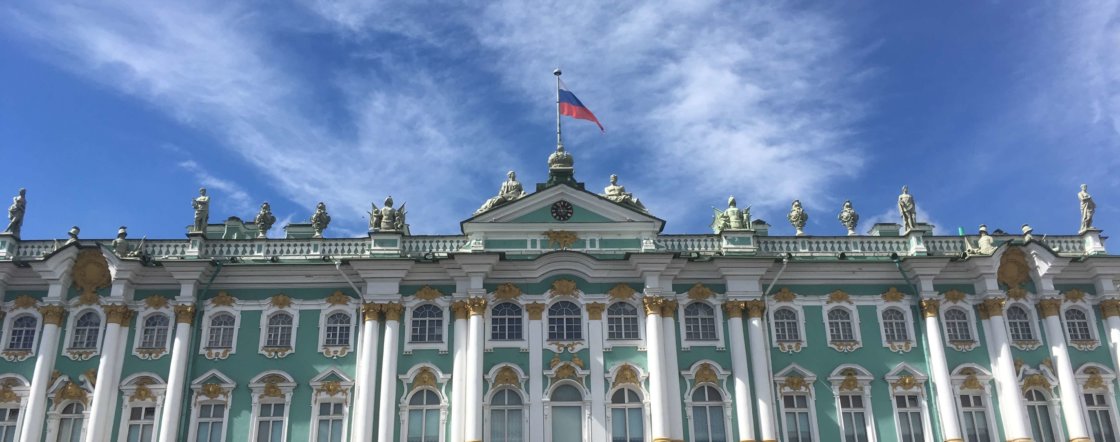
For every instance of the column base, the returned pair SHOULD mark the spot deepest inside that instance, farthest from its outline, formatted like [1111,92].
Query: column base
[1081,439]
[662,439]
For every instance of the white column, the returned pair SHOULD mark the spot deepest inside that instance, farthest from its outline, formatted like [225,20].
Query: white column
[1070,397]
[1110,309]
[536,372]
[459,365]
[108,364]
[473,423]
[659,413]
[760,370]
[387,406]
[44,363]
[939,372]
[598,376]
[177,375]
[740,371]
[362,429]
[1011,406]
[115,380]
[672,371]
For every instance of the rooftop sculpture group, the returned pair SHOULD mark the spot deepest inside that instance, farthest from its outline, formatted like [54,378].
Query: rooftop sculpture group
[618,194]
[387,219]
[510,191]
[732,218]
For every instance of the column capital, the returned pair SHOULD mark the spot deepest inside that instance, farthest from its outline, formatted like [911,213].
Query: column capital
[460,309]
[652,304]
[1110,308]
[1049,307]
[595,311]
[184,314]
[991,307]
[371,312]
[477,306]
[930,307]
[668,307]
[734,309]
[535,310]
[392,311]
[755,308]
[118,314]
[52,314]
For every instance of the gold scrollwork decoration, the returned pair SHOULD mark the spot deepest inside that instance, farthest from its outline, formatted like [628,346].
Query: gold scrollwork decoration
[955,296]
[621,292]
[839,296]
[785,295]
[338,298]
[90,272]
[564,287]
[223,299]
[795,383]
[424,378]
[1074,295]
[626,374]
[893,295]
[281,300]
[24,301]
[706,373]
[428,293]
[507,291]
[330,388]
[212,391]
[905,382]
[155,302]
[562,239]
[699,292]
[507,376]
[850,382]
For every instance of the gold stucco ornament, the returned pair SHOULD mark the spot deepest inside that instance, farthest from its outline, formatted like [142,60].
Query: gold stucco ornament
[90,274]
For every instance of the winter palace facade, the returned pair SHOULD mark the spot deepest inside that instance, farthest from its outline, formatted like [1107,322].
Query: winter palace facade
[559,315]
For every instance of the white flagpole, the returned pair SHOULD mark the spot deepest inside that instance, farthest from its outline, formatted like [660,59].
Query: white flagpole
[559,141]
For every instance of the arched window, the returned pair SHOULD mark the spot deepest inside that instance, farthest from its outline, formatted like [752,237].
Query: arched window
[24,328]
[840,325]
[422,417]
[427,324]
[141,423]
[154,332]
[910,418]
[565,323]
[1038,411]
[627,416]
[221,331]
[785,325]
[566,406]
[70,422]
[506,416]
[707,415]
[894,325]
[974,417]
[338,330]
[505,322]
[1019,322]
[1100,415]
[86,331]
[279,333]
[956,325]
[798,417]
[1077,325]
[622,322]
[9,417]
[700,322]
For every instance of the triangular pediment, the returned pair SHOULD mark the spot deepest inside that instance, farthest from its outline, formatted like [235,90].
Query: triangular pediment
[587,208]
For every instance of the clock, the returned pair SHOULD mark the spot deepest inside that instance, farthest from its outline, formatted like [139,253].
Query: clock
[562,210]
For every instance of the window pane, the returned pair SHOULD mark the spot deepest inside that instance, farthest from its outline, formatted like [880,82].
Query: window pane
[566,424]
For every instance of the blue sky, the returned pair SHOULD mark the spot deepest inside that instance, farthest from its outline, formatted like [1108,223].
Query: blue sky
[114,113]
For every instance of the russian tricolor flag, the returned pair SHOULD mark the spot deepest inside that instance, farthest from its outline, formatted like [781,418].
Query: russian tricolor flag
[572,107]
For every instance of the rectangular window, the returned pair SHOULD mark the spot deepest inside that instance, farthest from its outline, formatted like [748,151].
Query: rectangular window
[853,416]
[1100,417]
[211,422]
[974,418]
[798,424]
[909,414]
[622,327]
[270,423]
[8,419]
[700,329]
[141,422]
[331,420]
[505,328]
[565,329]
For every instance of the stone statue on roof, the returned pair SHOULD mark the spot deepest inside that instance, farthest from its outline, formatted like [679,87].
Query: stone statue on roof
[264,220]
[320,220]
[732,218]
[15,213]
[1088,207]
[386,219]
[848,217]
[73,234]
[511,190]
[201,206]
[618,194]
[797,217]
[120,244]
[986,245]
[908,209]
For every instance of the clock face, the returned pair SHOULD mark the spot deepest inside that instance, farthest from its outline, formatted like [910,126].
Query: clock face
[562,210]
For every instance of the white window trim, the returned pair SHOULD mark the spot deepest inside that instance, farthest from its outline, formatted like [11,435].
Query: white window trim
[408,379]
[692,383]
[717,314]
[129,386]
[277,352]
[1032,321]
[1053,408]
[406,334]
[487,404]
[640,342]
[612,375]
[22,389]
[907,317]
[335,351]
[1109,380]
[985,378]
[217,354]
[893,379]
[148,354]
[970,314]
[781,389]
[321,395]
[223,397]
[54,412]
[864,378]
[585,329]
[585,422]
[793,346]
[853,313]
[1090,317]
[71,324]
[490,342]
[257,387]
[6,336]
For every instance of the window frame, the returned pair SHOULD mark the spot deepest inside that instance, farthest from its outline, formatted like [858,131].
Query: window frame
[783,387]
[787,346]
[984,378]
[218,353]
[585,404]
[505,343]
[1031,321]
[639,316]
[277,352]
[840,381]
[18,355]
[853,318]
[56,416]
[717,319]
[440,410]
[261,397]
[898,346]
[22,389]
[322,394]
[129,387]
[153,353]
[1052,410]
[916,387]
[488,407]
[582,322]
[83,354]
[200,398]
[337,351]
[410,307]
[970,322]
[1094,340]
[1090,373]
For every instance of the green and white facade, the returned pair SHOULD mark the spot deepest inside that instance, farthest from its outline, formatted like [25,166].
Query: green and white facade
[524,327]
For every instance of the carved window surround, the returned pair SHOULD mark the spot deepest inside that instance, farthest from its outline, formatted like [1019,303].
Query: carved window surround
[970,314]
[83,354]
[219,353]
[337,351]
[158,352]
[716,303]
[410,305]
[772,308]
[898,346]
[18,355]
